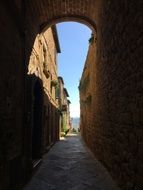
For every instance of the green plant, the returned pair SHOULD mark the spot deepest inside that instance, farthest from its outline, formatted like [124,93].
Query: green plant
[74,130]
[54,82]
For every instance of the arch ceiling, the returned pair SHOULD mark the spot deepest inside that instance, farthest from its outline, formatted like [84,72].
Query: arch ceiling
[47,12]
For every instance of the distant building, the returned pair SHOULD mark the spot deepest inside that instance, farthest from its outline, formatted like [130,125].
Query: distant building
[75,123]
[64,106]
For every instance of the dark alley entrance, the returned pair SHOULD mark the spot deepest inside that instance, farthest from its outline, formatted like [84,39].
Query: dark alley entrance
[70,166]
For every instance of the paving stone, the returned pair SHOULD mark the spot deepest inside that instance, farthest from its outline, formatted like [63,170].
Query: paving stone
[69,165]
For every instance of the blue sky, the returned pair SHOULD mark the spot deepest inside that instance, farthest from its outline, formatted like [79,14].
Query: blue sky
[73,39]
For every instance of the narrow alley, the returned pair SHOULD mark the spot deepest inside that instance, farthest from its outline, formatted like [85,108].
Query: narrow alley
[70,166]
[36,101]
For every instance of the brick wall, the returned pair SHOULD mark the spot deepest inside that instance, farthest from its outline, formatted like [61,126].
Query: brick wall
[115,133]
[11,96]
[86,87]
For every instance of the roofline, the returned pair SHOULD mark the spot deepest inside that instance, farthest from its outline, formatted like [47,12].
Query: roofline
[61,79]
[69,101]
[55,35]
[66,92]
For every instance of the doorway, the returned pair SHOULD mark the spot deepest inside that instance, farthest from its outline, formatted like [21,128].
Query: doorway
[37,121]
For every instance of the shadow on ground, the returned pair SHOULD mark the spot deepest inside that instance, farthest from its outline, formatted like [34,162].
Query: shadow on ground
[70,166]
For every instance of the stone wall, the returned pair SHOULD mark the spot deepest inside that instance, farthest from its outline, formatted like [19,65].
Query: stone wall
[86,87]
[11,99]
[115,133]
[43,67]
[16,103]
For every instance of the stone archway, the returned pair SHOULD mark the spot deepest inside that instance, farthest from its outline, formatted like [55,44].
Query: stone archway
[84,11]
[42,14]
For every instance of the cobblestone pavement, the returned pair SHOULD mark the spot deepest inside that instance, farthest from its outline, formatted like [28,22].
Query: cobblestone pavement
[70,166]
